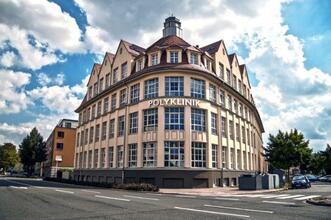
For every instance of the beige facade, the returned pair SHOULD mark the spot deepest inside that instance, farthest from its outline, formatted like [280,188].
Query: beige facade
[204,117]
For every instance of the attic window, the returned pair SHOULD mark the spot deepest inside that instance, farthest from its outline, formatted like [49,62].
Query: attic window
[223,51]
[194,58]
[121,50]
[105,62]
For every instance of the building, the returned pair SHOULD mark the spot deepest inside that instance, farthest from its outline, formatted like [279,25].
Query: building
[60,148]
[172,114]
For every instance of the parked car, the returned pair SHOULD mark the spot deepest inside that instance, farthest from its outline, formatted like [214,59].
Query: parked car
[300,181]
[312,178]
[326,178]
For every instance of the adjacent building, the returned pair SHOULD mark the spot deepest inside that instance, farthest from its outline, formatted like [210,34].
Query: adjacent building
[60,148]
[172,114]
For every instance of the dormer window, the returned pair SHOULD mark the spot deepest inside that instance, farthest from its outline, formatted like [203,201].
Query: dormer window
[124,69]
[173,56]
[194,58]
[154,59]
[115,75]
[208,64]
[139,65]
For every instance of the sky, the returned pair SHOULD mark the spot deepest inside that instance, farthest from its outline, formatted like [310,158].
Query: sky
[47,50]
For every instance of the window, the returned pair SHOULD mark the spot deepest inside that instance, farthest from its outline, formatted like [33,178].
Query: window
[228,76]
[151,88]
[99,109]
[121,126]
[248,137]
[238,165]
[102,158]
[239,86]
[221,70]
[223,126]
[174,86]
[60,134]
[115,75]
[86,137]
[97,132]
[198,154]
[197,88]
[110,157]
[174,154]
[139,64]
[111,128]
[212,93]
[174,118]
[104,130]
[123,97]
[124,68]
[208,64]
[229,102]
[245,160]
[224,158]
[154,59]
[243,134]
[244,90]
[89,159]
[93,112]
[214,156]
[231,129]
[222,98]
[198,117]
[120,156]
[149,154]
[237,132]
[245,113]
[213,123]
[194,58]
[150,119]
[107,80]
[234,82]
[91,134]
[59,146]
[135,90]
[67,125]
[95,89]
[101,85]
[105,105]
[82,138]
[88,114]
[90,92]
[173,56]
[96,155]
[133,127]
[235,104]
[232,158]
[132,155]
[78,139]
[113,102]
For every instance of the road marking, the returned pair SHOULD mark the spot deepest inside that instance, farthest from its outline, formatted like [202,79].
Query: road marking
[242,209]
[44,187]
[64,191]
[230,199]
[274,196]
[90,191]
[158,194]
[185,196]
[276,202]
[139,197]
[307,197]
[113,198]
[290,197]
[18,187]
[212,212]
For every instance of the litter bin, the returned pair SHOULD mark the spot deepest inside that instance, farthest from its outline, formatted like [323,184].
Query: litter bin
[250,182]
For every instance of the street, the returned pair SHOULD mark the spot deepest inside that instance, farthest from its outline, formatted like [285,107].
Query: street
[37,199]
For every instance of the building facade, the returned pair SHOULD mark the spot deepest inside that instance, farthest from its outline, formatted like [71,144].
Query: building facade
[60,148]
[172,114]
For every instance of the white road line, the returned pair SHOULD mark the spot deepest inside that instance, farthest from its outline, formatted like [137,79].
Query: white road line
[18,187]
[276,202]
[139,197]
[185,196]
[64,191]
[230,199]
[113,198]
[242,209]
[274,196]
[290,197]
[212,212]
[158,194]
[44,187]
[307,197]
[90,191]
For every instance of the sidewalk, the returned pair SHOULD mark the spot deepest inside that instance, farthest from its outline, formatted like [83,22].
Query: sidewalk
[216,191]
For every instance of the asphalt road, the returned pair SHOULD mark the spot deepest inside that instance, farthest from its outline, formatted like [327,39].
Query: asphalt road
[36,199]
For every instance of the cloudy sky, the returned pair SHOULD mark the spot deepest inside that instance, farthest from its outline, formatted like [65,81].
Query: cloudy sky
[47,49]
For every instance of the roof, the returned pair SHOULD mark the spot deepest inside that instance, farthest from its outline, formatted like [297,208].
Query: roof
[168,41]
[231,57]
[212,48]
[133,49]
[110,56]
[96,67]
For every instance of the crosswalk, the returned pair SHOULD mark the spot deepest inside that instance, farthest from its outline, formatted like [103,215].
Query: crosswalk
[297,197]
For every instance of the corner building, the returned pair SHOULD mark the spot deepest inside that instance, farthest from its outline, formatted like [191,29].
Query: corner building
[172,114]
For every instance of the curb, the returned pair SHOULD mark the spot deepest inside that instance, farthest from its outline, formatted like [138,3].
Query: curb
[319,203]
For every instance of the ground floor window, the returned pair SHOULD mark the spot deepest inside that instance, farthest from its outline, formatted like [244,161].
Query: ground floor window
[149,154]
[132,155]
[174,154]
[198,154]
[110,157]
[102,158]
[96,154]
[119,156]
[90,159]
[214,155]
[224,158]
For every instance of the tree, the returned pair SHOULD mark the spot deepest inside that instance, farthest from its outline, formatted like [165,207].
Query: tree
[32,150]
[327,162]
[286,150]
[317,163]
[8,156]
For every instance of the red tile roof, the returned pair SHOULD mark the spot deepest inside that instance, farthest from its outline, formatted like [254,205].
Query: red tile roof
[212,48]
[133,49]
[169,41]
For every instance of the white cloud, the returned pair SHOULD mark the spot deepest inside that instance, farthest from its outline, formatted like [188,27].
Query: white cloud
[7,59]
[44,80]
[13,98]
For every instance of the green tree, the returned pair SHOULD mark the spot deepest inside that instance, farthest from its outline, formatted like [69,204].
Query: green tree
[8,156]
[327,162]
[286,150]
[317,163]
[32,150]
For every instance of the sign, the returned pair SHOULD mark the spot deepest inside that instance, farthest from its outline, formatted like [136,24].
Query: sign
[58,158]
[174,102]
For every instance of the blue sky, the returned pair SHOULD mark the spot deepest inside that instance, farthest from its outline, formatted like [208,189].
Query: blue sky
[46,57]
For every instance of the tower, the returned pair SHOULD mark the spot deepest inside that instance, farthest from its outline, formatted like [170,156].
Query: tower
[172,26]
